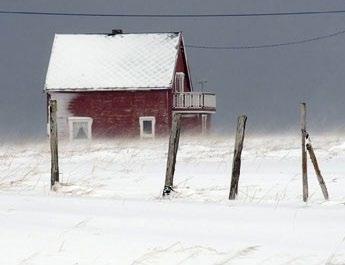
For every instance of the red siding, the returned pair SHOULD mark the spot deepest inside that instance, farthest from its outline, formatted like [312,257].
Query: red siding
[116,113]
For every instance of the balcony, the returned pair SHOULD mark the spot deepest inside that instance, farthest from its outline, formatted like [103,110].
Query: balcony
[194,102]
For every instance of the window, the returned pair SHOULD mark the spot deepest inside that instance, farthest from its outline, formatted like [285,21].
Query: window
[179,82]
[80,128]
[147,127]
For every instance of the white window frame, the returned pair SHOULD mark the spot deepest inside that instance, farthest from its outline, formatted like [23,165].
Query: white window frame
[89,121]
[141,123]
[179,82]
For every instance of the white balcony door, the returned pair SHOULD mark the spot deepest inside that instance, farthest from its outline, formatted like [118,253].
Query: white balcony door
[179,82]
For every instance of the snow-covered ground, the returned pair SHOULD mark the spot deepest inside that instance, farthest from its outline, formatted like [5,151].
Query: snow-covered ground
[109,209]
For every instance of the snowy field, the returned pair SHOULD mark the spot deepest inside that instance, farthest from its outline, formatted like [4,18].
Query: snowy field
[109,210]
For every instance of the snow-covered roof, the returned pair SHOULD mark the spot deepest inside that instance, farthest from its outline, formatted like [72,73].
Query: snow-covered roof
[121,61]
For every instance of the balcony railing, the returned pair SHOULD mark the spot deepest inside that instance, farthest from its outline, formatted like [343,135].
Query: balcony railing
[194,101]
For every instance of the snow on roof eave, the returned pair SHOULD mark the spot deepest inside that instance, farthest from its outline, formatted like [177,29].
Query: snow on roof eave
[88,89]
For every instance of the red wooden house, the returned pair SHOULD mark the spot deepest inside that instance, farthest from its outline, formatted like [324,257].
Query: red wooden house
[109,85]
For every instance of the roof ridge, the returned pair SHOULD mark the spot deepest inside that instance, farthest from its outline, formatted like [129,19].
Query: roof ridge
[125,33]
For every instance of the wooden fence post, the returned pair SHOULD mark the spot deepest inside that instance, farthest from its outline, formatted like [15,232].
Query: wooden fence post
[317,170]
[172,152]
[304,153]
[236,163]
[53,143]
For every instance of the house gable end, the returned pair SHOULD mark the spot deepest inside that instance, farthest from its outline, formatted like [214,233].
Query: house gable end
[182,66]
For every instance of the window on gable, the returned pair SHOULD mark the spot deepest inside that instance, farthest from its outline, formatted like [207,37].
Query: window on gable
[80,128]
[147,126]
[179,82]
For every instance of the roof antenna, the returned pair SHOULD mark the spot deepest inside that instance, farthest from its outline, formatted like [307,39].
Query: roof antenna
[202,83]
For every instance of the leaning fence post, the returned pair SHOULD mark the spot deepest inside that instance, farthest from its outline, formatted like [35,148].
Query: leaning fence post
[304,152]
[317,169]
[53,143]
[172,152]
[236,163]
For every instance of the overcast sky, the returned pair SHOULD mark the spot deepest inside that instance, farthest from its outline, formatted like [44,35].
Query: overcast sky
[267,84]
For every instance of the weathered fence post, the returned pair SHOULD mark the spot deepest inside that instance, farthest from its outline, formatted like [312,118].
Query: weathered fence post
[53,143]
[236,163]
[317,170]
[304,152]
[172,152]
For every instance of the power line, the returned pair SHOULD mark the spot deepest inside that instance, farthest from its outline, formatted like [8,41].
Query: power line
[270,45]
[39,13]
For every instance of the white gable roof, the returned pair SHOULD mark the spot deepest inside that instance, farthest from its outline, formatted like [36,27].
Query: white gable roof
[122,61]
